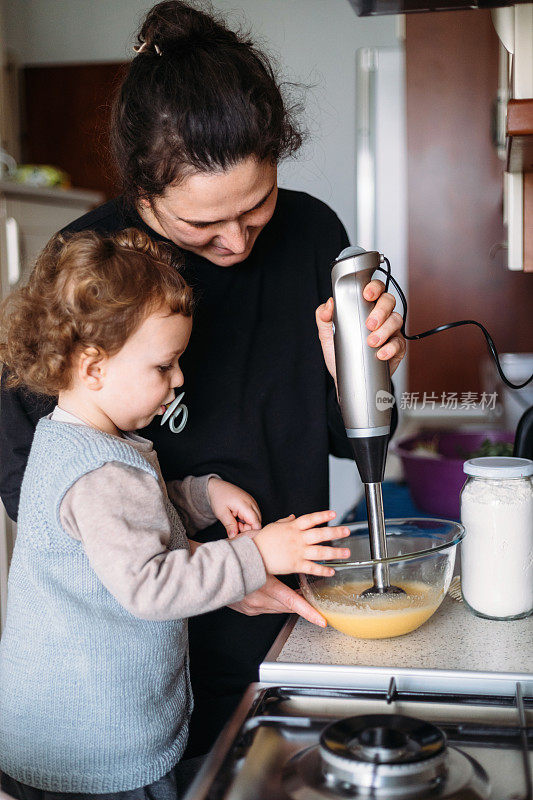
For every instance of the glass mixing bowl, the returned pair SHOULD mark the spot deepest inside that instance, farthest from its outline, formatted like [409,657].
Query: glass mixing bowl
[421,557]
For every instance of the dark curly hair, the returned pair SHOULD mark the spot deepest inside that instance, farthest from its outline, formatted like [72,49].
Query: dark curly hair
[198,97]
[85,290]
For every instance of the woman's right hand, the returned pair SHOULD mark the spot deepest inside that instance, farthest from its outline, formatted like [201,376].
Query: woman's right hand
[293,544]
[276,598]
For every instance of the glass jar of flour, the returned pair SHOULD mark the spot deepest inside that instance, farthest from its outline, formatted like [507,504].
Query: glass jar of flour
[497,551]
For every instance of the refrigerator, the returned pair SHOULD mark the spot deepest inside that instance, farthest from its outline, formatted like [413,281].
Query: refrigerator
[381,204]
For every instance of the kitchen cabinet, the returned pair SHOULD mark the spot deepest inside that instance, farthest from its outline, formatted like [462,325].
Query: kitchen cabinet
[457,244]
[514,26]
[520,135]
[520,163]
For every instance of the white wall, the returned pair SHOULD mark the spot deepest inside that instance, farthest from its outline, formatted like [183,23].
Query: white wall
[314,41]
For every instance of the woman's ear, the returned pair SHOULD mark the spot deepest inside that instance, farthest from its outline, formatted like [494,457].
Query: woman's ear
[91,368]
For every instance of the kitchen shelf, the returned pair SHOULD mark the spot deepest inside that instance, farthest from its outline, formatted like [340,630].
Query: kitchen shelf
[520,135]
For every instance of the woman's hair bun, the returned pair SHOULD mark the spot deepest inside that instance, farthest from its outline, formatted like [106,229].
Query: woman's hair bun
[174,24]
[212,100]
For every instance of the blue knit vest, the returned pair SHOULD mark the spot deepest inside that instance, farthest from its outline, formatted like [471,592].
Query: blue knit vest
[92,699]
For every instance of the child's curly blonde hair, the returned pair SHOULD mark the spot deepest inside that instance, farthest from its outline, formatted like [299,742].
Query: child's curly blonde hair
[85,290]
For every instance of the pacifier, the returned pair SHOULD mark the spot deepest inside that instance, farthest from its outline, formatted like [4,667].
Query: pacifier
[173,413]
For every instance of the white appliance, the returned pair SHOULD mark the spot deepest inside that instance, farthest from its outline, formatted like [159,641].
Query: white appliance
[381,202]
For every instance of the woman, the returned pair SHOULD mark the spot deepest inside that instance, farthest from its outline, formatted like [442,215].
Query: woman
[198,129]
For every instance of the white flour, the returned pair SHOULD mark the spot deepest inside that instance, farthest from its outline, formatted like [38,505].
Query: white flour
[497,551]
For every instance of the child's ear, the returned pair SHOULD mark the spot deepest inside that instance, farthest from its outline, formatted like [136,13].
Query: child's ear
[92,368]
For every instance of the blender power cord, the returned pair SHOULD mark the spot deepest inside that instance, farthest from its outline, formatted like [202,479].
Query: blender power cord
[490,343]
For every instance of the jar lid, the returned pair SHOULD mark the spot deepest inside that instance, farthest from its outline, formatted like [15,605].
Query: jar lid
[498,467]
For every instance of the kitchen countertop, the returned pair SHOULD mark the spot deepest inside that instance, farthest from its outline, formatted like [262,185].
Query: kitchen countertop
[51,193]
[454,646]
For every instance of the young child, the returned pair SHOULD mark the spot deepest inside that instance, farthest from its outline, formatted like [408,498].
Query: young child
[94,687]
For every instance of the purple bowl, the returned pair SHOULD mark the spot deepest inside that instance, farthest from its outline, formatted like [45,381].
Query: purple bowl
[436,483]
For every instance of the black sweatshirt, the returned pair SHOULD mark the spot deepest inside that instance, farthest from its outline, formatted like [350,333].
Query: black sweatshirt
[262,414]
[262,408]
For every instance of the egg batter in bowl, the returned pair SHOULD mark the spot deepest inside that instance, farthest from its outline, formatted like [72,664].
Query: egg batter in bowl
[421,557]
[377,616]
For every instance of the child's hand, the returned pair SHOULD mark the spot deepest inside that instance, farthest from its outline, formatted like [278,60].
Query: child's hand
[292,545]
[235,508]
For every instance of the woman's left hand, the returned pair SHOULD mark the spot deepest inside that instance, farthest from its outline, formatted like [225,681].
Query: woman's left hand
[235,508]
[383,323]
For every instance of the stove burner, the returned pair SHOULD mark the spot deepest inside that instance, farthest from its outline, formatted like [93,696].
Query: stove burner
[304,779]
[382,739]
[383,753]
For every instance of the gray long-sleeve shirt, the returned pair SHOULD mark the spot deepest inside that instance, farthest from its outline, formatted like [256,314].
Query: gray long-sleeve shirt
[118,514]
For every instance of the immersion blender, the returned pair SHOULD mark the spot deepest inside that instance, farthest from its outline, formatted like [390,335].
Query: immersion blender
[364,394]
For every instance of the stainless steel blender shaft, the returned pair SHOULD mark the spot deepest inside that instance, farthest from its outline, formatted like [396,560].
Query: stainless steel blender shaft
[376,532]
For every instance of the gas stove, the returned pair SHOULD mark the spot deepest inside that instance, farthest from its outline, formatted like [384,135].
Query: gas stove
[320,743]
